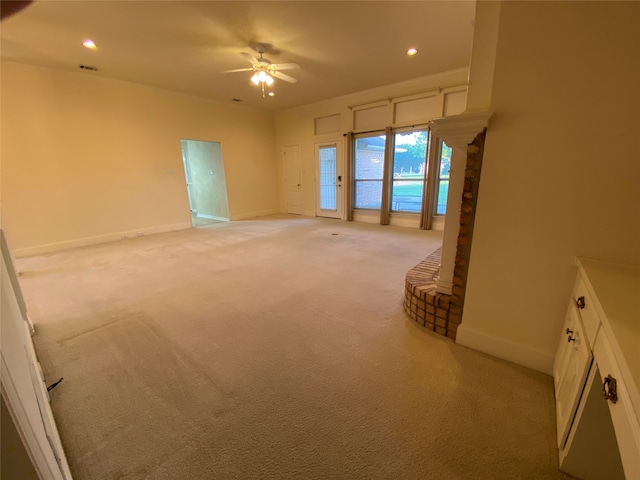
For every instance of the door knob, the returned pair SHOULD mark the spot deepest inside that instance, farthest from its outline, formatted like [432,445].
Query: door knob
[609,389]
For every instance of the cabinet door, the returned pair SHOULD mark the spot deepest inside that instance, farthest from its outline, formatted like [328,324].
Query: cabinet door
[570,369]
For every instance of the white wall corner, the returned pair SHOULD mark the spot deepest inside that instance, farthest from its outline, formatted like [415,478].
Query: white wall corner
[505,349]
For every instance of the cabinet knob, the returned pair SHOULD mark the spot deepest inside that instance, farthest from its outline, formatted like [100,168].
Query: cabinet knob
[568,331]
[609,389]
[571,339]
[580,303]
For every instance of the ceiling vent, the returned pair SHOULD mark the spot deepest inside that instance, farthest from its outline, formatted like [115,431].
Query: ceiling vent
[88,67]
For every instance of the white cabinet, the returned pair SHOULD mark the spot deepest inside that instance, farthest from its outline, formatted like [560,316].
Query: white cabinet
[597,374]
[570,369]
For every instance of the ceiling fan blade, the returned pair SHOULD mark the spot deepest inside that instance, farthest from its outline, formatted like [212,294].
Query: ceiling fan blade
[286,66]
[285,77]
[249,57]
[239,70]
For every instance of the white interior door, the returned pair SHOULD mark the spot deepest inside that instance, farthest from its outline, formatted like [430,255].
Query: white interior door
[23,386]
[292,173]
[330,198]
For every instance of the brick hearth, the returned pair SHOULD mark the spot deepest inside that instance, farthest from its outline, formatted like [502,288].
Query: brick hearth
[421,301]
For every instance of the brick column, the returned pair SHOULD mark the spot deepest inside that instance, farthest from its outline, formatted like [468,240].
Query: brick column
[475,152]
[438,311]
[457,131]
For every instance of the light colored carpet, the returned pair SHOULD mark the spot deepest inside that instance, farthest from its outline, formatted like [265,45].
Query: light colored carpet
[273,349]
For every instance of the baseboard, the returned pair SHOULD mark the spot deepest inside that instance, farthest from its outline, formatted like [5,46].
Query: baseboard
[444,286]
[403,220]
[245,216]
[366,216]
[211,217]
[506,350]
[86,241]
[437,223]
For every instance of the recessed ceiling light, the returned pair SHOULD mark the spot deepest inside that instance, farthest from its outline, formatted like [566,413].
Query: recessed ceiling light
[89,44]
[411,52]
[272,94]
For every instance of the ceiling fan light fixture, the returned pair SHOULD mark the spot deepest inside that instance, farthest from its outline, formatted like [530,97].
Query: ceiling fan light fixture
[262,77]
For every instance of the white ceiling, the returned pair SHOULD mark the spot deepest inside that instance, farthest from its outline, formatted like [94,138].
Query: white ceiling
[342,47]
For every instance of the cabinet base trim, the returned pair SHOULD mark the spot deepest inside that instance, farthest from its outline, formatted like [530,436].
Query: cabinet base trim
[506,350]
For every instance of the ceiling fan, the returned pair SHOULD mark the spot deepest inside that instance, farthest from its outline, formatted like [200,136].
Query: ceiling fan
[263,70]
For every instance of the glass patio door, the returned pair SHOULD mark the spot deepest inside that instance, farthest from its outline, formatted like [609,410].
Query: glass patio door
[329,174]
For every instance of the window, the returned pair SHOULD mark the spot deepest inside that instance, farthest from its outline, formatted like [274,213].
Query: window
[442,184]
[409,163]
[411,179]
[368,171]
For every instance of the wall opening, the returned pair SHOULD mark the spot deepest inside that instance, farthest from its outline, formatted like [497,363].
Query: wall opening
[206,183]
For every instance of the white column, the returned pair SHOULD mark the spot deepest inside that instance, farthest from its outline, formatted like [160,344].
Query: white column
[458,132]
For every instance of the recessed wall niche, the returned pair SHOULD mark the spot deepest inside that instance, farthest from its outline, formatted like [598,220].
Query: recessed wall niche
[328,124]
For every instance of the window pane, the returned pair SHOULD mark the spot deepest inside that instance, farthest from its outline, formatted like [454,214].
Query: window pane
[443,189]
[369,169]
[328,189]
[369,158]
[443,179]
[409,164]
[368,194]
[407,196]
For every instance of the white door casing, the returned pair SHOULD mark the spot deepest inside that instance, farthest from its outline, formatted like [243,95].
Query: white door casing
[187,175]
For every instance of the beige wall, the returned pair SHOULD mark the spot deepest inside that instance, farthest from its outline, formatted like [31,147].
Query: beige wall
[560,174]
[86,159]
[296,127]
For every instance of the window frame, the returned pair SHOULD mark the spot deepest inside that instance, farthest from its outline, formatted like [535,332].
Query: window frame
[438,178]
[356,180]
[432,175]
[392,180]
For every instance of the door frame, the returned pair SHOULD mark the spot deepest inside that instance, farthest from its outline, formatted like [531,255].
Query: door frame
[340,192]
